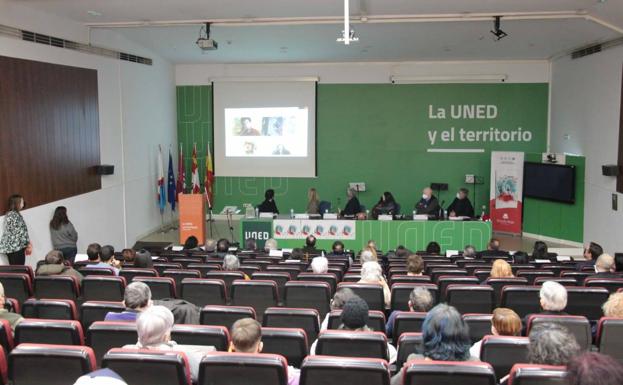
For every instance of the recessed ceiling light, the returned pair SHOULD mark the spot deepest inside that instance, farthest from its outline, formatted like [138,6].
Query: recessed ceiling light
[94,13]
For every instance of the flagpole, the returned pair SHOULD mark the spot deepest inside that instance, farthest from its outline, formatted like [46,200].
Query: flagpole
[162,229]
[173,223]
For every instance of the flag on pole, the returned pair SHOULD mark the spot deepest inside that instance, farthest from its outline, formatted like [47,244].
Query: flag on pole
[194,179]
[209,178]
[181,174]
[162,200]
[171,195]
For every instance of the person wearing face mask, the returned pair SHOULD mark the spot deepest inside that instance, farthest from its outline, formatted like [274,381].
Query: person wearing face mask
[461,206]
[386,205]
[428,205]
[15,242]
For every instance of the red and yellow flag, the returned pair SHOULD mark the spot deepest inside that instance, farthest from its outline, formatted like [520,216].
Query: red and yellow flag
[209,178]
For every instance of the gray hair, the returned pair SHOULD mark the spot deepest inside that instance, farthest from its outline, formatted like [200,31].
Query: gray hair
[605,263]
[320,265]
[340,298]
[420,299]
[469,251]
[210,245]
[270,244]
[231,263]
[367,256]
[154,326]
[551,344]
[137,295]
[351,192]
[371,271]
[553,296]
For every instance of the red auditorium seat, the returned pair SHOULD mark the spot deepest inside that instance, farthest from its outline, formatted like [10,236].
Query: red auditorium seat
[612,284]
[104,335]
[19,269]
[438,272]
[479,325]
[446,280]
[470,298]
[349,371]
[258,294]
[408,343]
[161,287]
[408,279]
[280,278]
[329,278]
[610,337]
[6,336]
[57,286]
[586,301]
[102,288]
[531,275]
[289,342]
[523,300]
[202,291]
[93,311]
[179,274]
[59,309]
[308,294]
[224,315]
[239,368]
[421,372]
[162,266]
[87,271]
[527,374]
[130,272]
[407,322]
[204,268]
[37,364]
[502,352]
[60,332]
[565,281]
[226,276]
[370,292]
[148,367]
[306,319]
[579,326]
[16,285]
[498,283]
[206,335]
[346,343]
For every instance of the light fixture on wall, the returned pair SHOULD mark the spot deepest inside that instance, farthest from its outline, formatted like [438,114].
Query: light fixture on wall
[435,79]
[348,34]
[205,42]
[497,31]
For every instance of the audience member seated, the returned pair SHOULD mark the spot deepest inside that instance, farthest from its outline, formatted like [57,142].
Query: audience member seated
[501,269]
[371,272]
[250,245]
[505,322]
[493,249]
[415,265]
[385,206]
[232,263]
[337,250]
[605,267]
[210,245]
[101,377]
[521,258]
[101,257]
[192,244]
[551,344]
[368,255]
[246,337]
[355,315]
[222,248]
[143,259]
[154,333]
[433,248]
[594,369]
[320,265]
[270,244]
[469,252]
[309,249]
[337,303]
[591,252]
[401,252]
[13,318]
[55,265]
[613,307]
[128,255]
[353,207]
[540,252]
[553,298]
[268,205]
[136,299]
[420,300]
[445,337]
[372,245]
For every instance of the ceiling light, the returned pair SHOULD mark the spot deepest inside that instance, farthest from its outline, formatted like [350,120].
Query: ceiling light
[496,31]
[205,42]
[94,13]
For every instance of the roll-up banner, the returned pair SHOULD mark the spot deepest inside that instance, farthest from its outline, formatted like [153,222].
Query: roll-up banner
[505,205]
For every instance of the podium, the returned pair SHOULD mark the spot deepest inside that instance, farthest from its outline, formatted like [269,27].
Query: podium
[192,217]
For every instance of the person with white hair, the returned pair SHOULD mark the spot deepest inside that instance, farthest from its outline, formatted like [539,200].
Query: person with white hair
[136,298]
[605,267]
[320,265]
[101,377]
[553,298]
[371,272]
[270,244]
[232,263]
[154,326]
[367,256]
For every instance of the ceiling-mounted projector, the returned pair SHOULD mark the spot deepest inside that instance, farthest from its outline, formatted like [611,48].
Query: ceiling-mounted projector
[205,42]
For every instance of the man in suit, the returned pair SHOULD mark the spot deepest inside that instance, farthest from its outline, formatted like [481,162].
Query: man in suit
[591,253]
[461,206]
[605,267]
[428,205]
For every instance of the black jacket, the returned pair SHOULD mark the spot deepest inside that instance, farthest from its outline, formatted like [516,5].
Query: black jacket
[352,207]
[461,207]
[268,207]
[430,207]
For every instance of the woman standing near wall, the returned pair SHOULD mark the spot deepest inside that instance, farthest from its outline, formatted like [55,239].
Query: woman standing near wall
[15,242]
[63,234]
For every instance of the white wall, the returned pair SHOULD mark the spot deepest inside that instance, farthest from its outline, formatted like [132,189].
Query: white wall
[136,111]
[528,71]
[585,108]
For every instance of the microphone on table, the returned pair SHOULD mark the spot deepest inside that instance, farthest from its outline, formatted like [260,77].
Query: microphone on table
[441,209]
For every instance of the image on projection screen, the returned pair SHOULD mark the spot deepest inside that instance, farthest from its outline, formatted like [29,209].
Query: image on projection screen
[266,132]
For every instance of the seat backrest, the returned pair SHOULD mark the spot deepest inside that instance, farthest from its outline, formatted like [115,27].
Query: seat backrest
[224,315]
[258,294]
[60,309]
[479,325]
[292,270]
[349,370]
[179,274]
[376,320]
[185,261]
[438,272]
[610,337]
[143,367]
[408,343]
[565,281]
[408,279]
[204,268]
[329,278]
[289,342]
[523,300]
[19,269]
[103,288]
[105,335]
[346,343]
[60,332]
[502,352]
[239,368]
[370,292]
[87,271]
[407,322]
[226,276]
[206,335]
[308,294]
[17,285]
[446,280]
[282,317]
[579,326]
[586,301]
[423,372]
[6,335]
[401,292]
[56,286]
[162,266]
[529,374]
[279,277]
[93,311]
[32,364]
[612,284]
[579,276]
[130,272]
[161,287]
[532,274]
[498,283]
[202,291]
[470,298]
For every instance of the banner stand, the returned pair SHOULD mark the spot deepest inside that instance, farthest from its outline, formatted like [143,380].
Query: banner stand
[505,205]
[192,219]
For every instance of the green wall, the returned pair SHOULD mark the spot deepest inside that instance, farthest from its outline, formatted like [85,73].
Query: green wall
[553,219]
